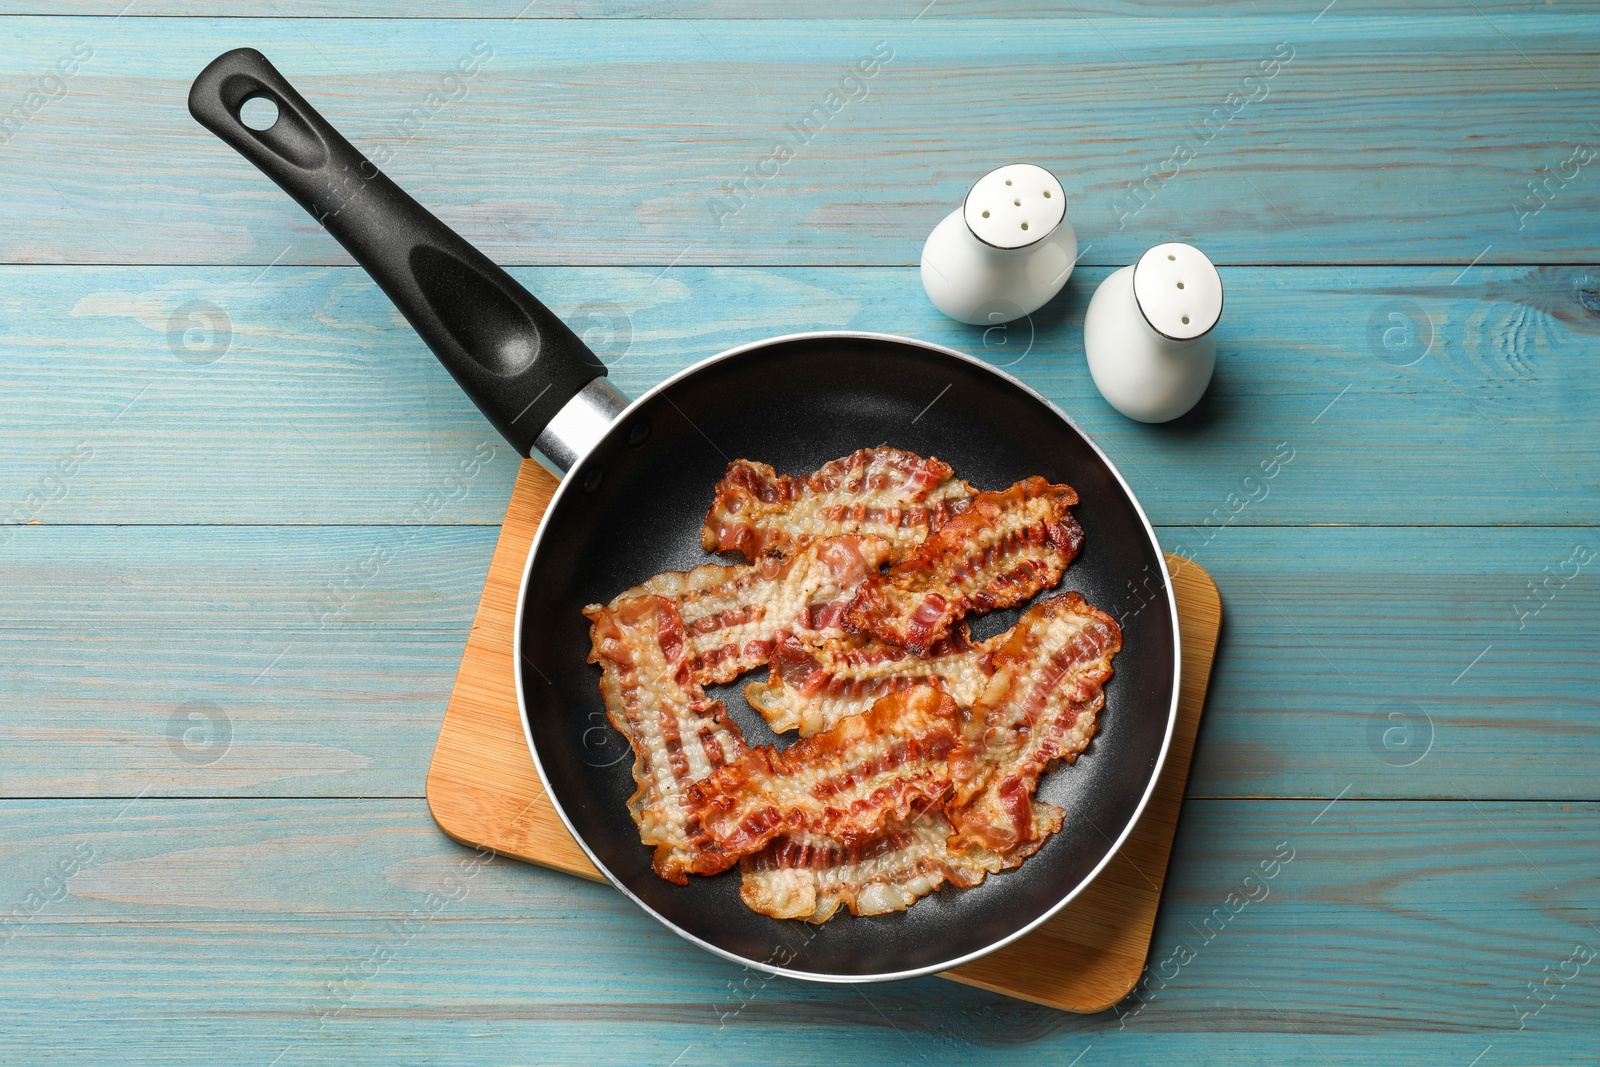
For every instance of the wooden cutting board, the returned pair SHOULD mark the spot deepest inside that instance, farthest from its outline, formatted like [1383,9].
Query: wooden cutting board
[483,789]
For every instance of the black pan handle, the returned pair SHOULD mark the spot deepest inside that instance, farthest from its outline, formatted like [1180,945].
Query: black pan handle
[516,360]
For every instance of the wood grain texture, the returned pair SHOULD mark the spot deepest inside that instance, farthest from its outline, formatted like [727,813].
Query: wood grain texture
[196,933]
[571,145]
[485,792]
[322,406]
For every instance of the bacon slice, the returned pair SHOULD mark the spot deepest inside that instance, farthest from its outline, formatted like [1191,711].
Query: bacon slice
[885,492]
[812,687]
[1001,550]
[893,791]
[734,614]
[1040,706]
[810,876]
[678,736]
[847,783]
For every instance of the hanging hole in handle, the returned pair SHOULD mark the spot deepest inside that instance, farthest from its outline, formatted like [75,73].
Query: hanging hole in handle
[260,113]
[275,126]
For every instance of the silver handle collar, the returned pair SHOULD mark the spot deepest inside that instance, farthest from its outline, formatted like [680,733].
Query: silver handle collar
[578,426]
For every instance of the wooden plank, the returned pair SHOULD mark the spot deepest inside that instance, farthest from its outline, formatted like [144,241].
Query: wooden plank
[1365,660]
[188,932]
[321,406]
[110,631]
[485,10]
[293,581]
[203,661]
[1360,138]
[485,792]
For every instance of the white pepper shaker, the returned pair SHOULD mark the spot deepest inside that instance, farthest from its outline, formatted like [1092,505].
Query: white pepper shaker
[1148,333]
[1005,252]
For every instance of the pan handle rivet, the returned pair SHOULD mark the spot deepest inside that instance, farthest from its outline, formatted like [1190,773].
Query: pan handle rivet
[638,433]
[592,480]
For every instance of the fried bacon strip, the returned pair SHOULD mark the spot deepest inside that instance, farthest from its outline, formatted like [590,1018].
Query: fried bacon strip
[885,492]
[678,736]
[893,790]
[1003,548]
[1040,706]
[809,876]
[733,615]
[812,687]
[846,783]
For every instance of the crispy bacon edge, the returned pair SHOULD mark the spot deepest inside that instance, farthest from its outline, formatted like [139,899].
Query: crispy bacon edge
[1001,550]
[846,783]
[887,492]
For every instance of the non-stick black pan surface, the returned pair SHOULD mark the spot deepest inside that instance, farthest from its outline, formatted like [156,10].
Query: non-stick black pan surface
[637,489]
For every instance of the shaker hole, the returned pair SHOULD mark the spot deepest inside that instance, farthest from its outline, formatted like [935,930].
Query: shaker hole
[1008,181]
[1017,202]
[1180,285]
[1172,257]
[985,214]
[1047,194]
[1186,320]
[1024,225]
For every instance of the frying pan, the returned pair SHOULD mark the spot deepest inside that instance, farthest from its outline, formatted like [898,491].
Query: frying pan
[638,480]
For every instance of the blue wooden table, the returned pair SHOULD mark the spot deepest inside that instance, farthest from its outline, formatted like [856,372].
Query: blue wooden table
[239,562]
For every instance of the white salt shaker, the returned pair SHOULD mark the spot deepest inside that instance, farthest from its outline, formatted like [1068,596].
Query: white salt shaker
[1147,333]
[1005,252]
